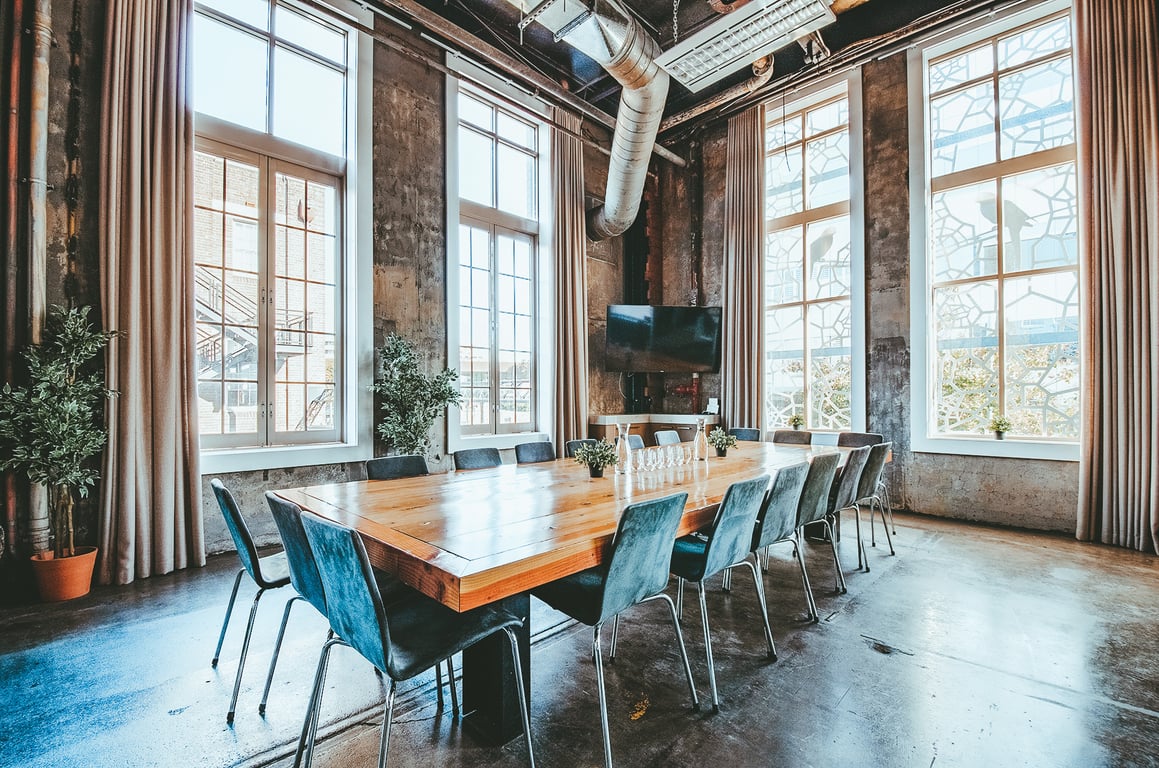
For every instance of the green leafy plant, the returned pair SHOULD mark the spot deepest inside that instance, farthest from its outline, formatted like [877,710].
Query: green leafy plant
[53,425]
[796,420]
[596,455]
[720,439]
[411,400]
[1000,424]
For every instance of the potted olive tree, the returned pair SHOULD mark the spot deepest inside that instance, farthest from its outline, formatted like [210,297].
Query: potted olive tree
[411,399]
[51,428]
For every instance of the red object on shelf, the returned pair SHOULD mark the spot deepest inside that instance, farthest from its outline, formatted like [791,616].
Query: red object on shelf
[692,389]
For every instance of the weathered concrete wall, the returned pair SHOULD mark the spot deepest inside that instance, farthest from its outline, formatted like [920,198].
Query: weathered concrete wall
[605,271]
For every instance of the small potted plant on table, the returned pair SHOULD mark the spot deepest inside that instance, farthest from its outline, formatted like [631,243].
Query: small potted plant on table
[796,421]
[50,429]
[596,456]
[1000,425]
[721,441]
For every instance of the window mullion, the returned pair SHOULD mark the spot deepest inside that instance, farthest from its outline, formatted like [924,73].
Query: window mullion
[267,301]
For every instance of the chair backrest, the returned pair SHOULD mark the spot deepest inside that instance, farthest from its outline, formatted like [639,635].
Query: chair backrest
[731,534]
[641,552]
[874,466]
[778,517]
[394,467]
[667,437]
[354,605]
[477,458]
[793,436]
[843,491]
[571,446]
[303,571]
[815,494]
[746,433]
[635,442]
[242,540]
[530,453]
[858,439]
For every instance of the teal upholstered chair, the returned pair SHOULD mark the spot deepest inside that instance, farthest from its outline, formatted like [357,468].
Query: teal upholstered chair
[403,636]
[667,437]
[477,458]
[843,495]
[746,433]
[635,571]
[869,491]
[725,543]
[269,572]
[635,442]
[396,467]
[533,453]
[571,446]
[793,436]
[858,439]
[813,506]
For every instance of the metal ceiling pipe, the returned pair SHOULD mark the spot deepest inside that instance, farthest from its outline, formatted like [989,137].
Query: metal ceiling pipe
[611,37]
[762,74]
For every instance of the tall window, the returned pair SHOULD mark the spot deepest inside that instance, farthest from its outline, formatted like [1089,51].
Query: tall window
[498,181]
[270,91]
[1002,245]
[808,264]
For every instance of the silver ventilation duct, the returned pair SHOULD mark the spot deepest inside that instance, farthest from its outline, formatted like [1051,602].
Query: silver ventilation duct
[608,34]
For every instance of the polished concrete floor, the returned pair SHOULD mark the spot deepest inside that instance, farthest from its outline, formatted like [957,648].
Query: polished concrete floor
[972,647]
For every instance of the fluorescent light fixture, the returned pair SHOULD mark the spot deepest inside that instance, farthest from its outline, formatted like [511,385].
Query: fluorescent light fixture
[741,37]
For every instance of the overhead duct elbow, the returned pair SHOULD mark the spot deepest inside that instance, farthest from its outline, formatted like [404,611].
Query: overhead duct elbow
[612,38]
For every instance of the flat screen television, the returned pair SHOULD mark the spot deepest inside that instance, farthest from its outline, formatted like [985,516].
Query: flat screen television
[647,339]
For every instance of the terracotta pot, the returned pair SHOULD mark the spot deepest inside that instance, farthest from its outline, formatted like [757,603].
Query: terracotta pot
[64,578]
[595,471]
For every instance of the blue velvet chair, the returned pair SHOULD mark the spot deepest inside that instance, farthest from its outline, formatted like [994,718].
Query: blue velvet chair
[635,442]
[869,491]
[793,436]
[813,506]
[533,453]
[858,439]
[635,571]
[746,433]
[725,543]
[395,467]
[843,496]
[401,637]
[667,437]
[571,446]
[308,584]
[477,458]
[269,572]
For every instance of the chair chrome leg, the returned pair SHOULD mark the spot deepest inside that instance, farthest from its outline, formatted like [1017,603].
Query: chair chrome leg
[764,610]
[245,646]
[454,688]
[768,551]
[679,598]
[604,729]
[708,646]
[862,561]
[680,645]
[513,641]
[277,650]
[810,603]
[615,637]
[726,581]
[841,589]
[228,613]
[305,752]
[881,510]
[387,716]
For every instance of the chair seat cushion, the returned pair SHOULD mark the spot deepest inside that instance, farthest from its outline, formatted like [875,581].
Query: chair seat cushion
[424,632]
[579,595]
[273,571]
[688,557]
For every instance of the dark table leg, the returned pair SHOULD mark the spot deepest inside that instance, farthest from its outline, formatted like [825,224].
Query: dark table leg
[489,696]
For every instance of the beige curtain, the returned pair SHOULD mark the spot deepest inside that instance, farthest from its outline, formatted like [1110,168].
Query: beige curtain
[1118,78]
[150,521]
[569,245]
[742,380]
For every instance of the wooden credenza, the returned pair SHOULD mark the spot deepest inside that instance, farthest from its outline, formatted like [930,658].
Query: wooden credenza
[646,425]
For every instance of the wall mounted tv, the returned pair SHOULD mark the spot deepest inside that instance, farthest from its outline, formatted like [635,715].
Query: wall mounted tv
[646,339]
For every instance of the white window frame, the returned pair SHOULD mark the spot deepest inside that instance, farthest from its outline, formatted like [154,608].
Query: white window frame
[850,83]
[544,268]
[922,440]
[355,425]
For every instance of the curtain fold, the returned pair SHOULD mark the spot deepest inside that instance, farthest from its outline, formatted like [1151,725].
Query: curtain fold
[742,378]
[150,514]
[569,244]
[1117,72]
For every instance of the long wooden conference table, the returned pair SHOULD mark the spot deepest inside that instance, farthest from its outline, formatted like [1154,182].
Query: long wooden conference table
[472,538]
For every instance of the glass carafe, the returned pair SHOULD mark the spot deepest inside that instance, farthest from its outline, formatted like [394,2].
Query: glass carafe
[700,442]
[623,450]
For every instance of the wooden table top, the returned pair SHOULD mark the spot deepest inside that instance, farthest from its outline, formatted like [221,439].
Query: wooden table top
[468,538]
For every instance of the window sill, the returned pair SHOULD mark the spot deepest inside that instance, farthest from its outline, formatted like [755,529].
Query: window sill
[502,442]
[1010,448]
[221,461]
